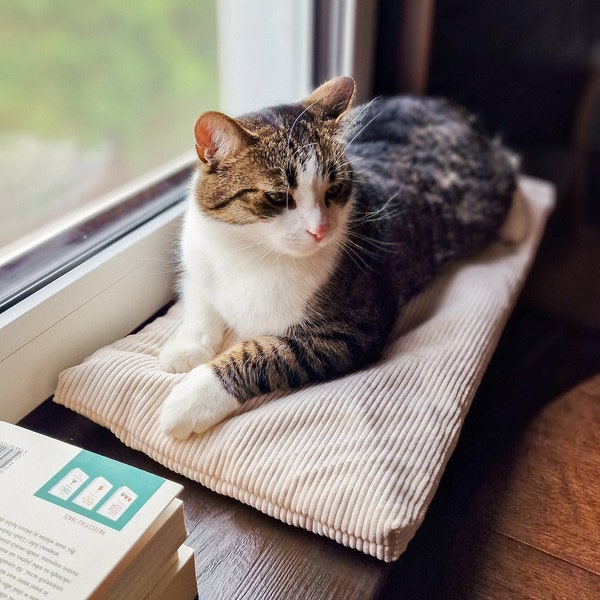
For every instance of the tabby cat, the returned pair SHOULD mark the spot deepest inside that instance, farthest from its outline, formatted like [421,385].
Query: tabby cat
[308,226]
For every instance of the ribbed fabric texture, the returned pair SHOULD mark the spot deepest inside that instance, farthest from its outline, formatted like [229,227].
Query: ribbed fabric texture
[357,459]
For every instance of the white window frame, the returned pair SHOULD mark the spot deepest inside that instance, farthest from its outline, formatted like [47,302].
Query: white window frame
[346,40]
[97,302]
[120,287]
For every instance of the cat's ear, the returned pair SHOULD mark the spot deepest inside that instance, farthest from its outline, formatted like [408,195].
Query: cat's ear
[332,98]
[219,136]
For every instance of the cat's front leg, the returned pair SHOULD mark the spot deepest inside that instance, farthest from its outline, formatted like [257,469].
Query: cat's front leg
[196,404]
[196,341]
[212,392]
[186,350]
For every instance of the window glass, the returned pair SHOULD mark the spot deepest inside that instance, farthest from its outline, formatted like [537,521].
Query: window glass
[92,95]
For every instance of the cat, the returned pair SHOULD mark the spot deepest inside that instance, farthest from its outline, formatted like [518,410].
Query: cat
[308,226]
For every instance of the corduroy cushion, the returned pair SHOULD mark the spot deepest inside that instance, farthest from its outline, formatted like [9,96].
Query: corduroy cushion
[357,459]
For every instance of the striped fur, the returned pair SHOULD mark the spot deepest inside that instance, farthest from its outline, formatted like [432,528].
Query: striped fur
[309,226]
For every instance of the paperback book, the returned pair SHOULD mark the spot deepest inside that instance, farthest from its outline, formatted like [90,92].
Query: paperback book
[74,524]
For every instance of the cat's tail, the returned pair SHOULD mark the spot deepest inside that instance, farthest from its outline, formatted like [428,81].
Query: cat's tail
[507,165]
[516,225]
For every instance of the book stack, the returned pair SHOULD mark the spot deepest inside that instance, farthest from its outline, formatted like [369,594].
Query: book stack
[74,524]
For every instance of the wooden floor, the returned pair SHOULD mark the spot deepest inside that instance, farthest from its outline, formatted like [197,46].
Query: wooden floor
[533,529]
[516,516]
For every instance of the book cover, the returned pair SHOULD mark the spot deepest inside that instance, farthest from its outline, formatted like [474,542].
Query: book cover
[70,520]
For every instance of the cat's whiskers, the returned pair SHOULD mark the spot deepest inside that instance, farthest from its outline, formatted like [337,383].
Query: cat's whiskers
[374,218]
[257,250]
[358,114]
[343,170]
[374,252]
[282,170]
[357,259]
[316,314]
[267,255]
[354,251]
[299,148]
[380,244]
[352,180]
[169,266]
[289,140]
[380,214]
[340,165]
[361,130]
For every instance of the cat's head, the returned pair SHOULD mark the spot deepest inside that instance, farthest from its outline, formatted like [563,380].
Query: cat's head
[281,173]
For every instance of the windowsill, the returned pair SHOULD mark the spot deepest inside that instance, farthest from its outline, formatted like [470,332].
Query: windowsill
[97,302]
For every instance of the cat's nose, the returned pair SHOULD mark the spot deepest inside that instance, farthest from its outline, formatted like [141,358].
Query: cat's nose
[319,232]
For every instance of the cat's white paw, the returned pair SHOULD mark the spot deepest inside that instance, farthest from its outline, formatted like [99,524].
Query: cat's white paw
[196,404]
[181,356]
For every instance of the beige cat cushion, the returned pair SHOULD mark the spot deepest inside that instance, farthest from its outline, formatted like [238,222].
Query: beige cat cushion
[357,459]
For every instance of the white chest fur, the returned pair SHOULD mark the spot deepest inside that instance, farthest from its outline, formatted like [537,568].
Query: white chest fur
[253,289]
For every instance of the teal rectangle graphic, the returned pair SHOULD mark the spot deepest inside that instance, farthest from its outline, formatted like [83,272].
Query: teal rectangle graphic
[102,489]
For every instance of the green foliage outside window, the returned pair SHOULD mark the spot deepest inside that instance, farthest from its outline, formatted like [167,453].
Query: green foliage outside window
[104,87]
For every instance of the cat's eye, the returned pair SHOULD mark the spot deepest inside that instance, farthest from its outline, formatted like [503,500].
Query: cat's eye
[280,199]
[335,191]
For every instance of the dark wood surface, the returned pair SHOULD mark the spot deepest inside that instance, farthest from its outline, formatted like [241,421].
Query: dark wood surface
[536,520]
[533,529]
